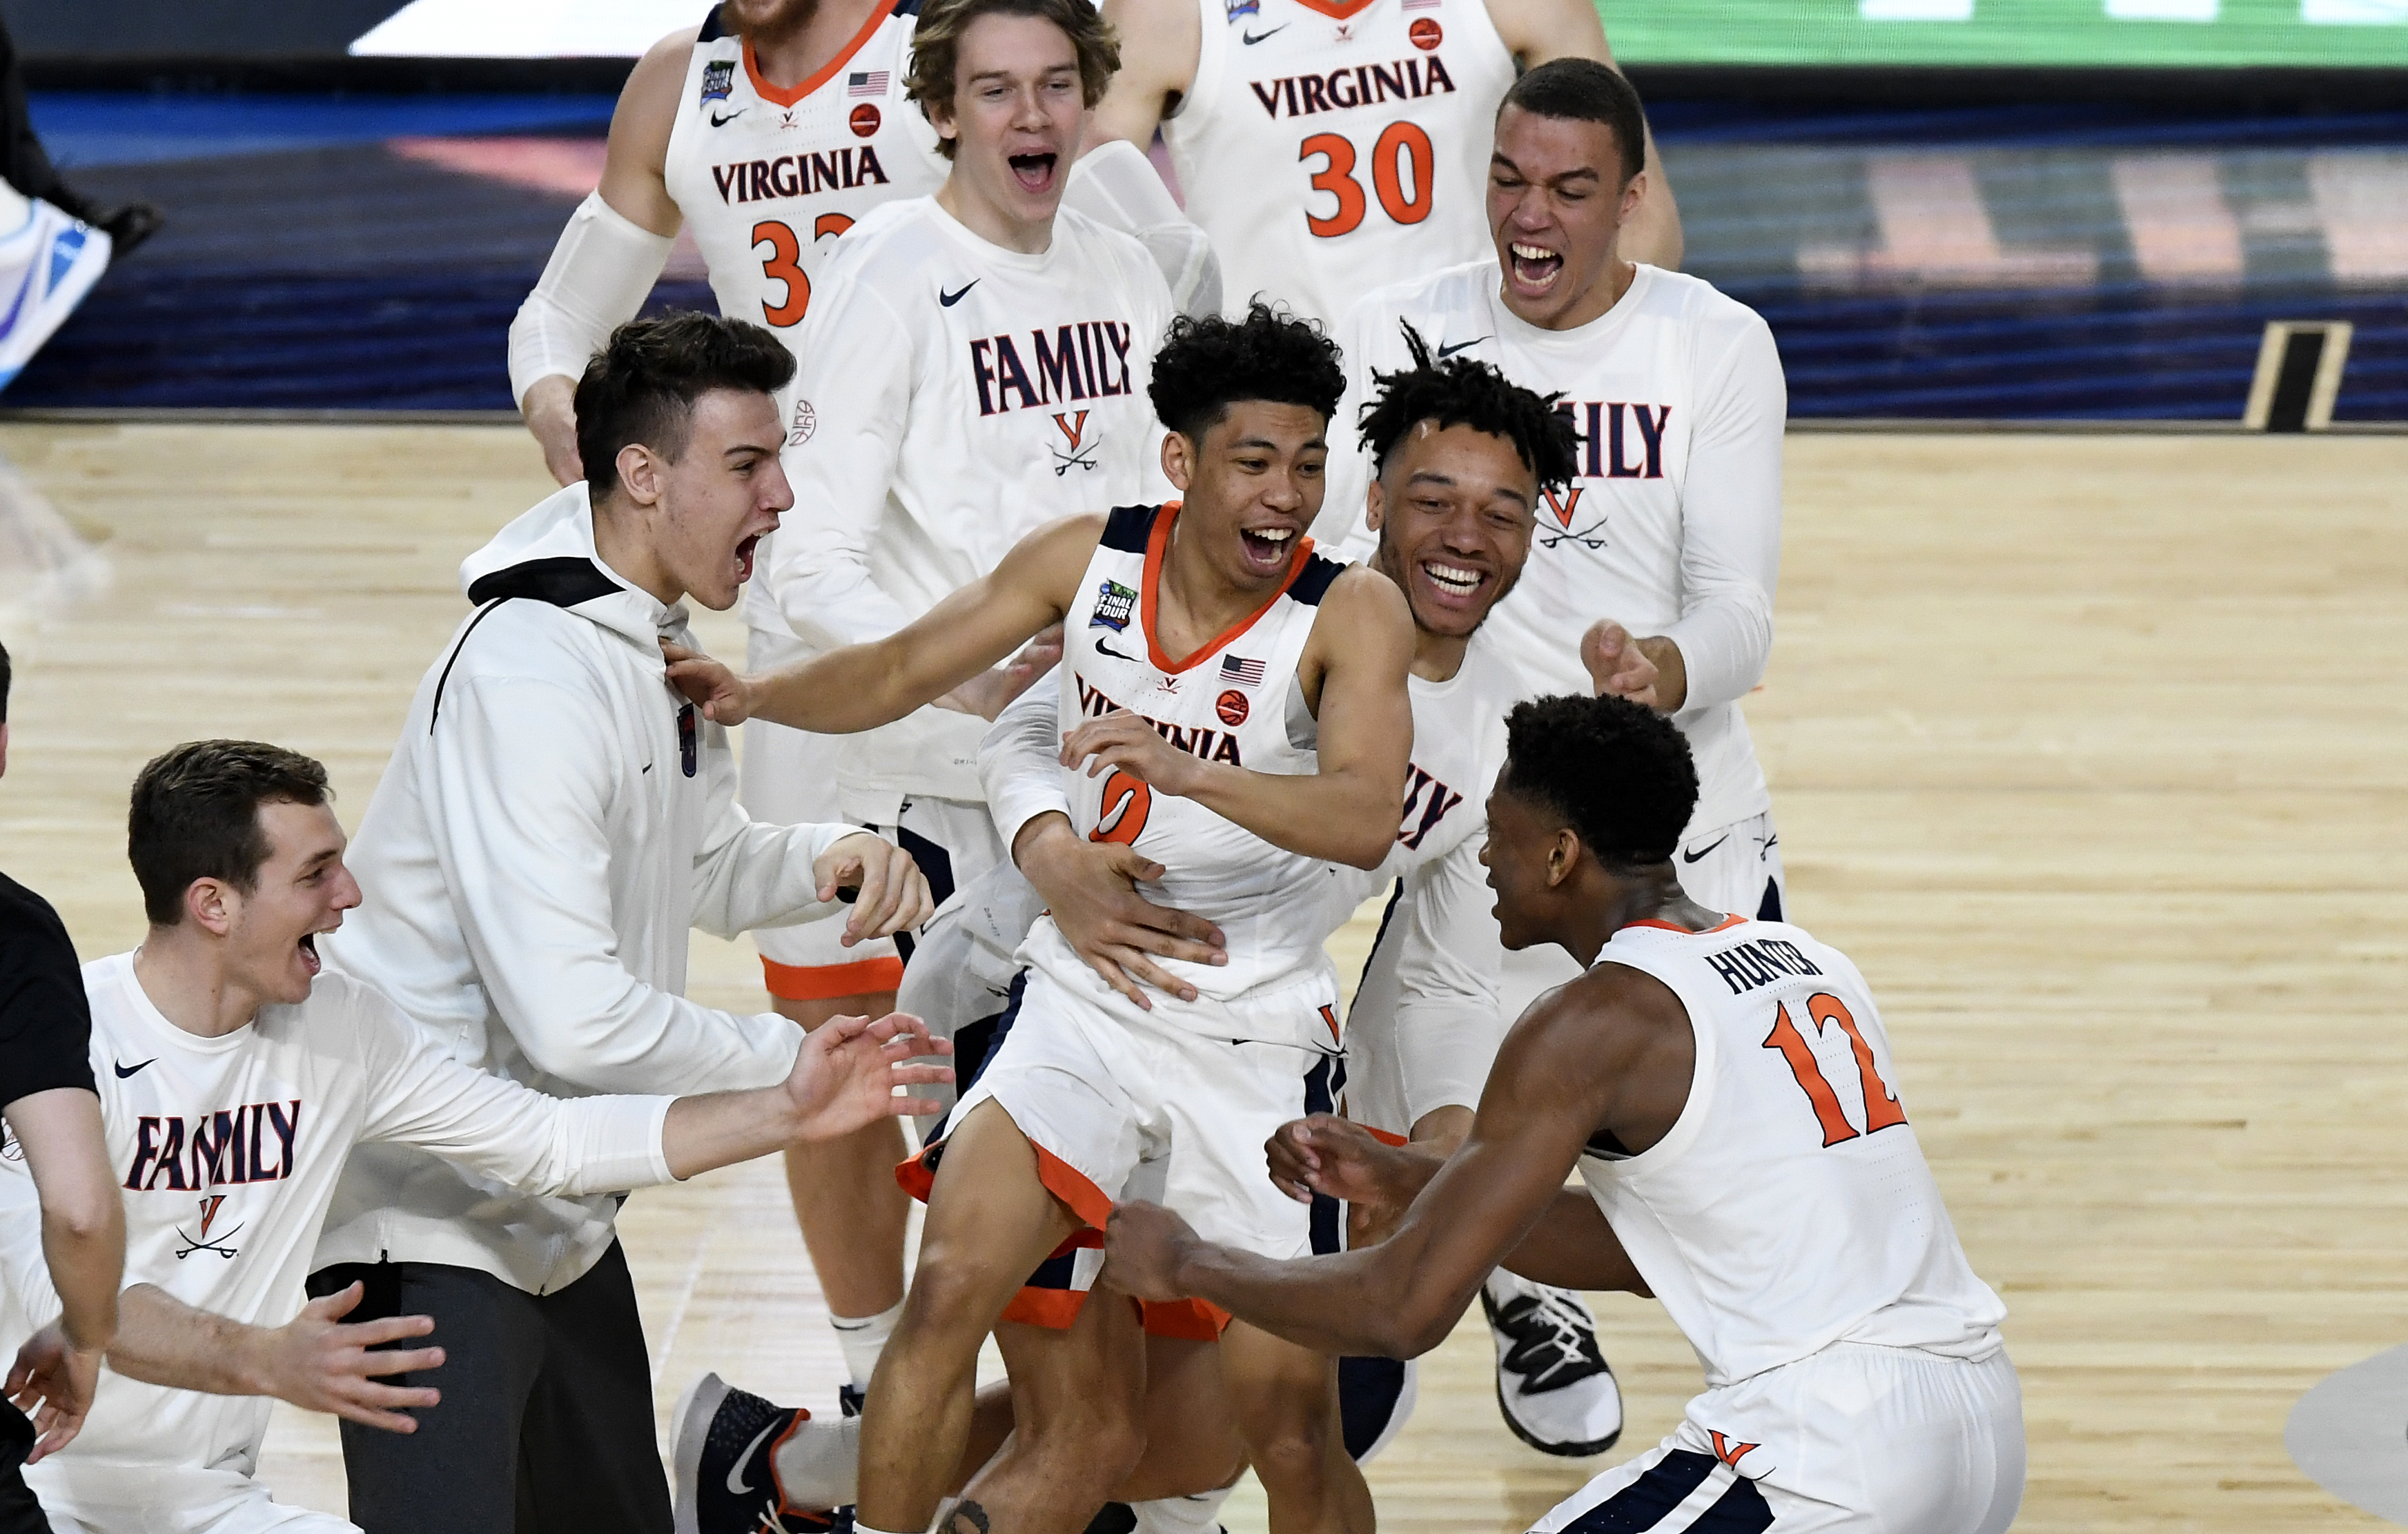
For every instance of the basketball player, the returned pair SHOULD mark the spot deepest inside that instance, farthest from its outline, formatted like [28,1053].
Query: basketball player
[238,1076]
[765,136]
[1331,146]
[551,825]
[1464,455]
[1245,724]
[1721,1083]
[53,1135]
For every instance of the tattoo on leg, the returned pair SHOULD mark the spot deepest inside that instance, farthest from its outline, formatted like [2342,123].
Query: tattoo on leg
[967,1517]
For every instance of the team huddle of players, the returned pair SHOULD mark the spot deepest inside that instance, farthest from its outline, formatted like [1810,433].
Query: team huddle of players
[1134,590]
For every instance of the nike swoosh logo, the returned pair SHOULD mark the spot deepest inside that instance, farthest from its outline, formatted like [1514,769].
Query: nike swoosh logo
[1113,653]
[1687,856]
[950,299]
[124,1071]
[736,1482]
[719,121]
[1446,352]
[1254,37]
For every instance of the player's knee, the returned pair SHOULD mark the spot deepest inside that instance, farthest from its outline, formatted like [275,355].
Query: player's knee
[949,1302]
[1294,1451]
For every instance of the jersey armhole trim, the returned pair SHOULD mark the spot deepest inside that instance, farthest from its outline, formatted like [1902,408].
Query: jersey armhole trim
[771,94]
[1155,547]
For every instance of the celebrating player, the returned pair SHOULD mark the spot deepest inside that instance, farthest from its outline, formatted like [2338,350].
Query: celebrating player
[1245,724]
[551,825]
[1722,1086]
[238,1077]
[1330,146]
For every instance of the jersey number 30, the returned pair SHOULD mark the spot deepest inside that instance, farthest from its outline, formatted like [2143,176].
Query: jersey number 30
[1402,169]
[784,264]
[1881,1110]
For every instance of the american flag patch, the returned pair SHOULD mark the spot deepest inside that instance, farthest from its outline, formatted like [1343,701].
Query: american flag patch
[872,82]
[1245,673]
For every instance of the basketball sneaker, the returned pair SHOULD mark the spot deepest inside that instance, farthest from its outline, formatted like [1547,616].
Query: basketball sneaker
[725,1446]
[1552,1384]
[47,264]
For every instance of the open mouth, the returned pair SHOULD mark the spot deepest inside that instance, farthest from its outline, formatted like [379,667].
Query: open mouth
[1034,172]
[1535,268]
[744,558]
[1266,548]
[310,959]
[1456,585]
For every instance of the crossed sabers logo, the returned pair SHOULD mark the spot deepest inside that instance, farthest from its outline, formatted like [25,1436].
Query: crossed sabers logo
[1564,508]
[211,1203]
[1731,1451]
[1082,453]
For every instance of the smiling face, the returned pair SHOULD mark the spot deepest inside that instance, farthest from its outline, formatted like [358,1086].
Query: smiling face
[1526,857]
[1015,118]
[1250,487]
[270,931]
[705,514]
[1557,204]
[1454,509]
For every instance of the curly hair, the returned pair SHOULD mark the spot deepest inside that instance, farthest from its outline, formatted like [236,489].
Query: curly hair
[1618,772]
[1464,392]
[194,814]
[642,386]
[937,48]
[1208,365]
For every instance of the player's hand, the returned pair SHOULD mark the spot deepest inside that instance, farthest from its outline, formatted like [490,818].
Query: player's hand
[1617,667]
[990,692]
[1144,1247]
[551,412]
[725,695]
[846,1073]
[320,1363]
[1122,740]
[894,893]
[1326,1154]
[51,1382]
[1090,888]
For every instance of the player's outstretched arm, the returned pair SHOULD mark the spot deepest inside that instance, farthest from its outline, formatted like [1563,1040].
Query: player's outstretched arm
[862,686]
[1361,647]
[1535,31]
[1577,1060]
[317,1361]
[844,1079]
[607,259]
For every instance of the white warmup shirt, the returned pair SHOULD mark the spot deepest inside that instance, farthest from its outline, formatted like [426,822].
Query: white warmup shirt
[228,1150]
[959,396]
[1673,526]
[553,822]
[1789,1207]
[1331,148]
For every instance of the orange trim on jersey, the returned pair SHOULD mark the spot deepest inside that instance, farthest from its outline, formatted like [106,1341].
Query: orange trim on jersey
[1728,923]
[1384,1137]
[1053,1308]
[1337,13]
[1069,1184]
[771,94]
[826,981]
[1155,543]
[1188,1320]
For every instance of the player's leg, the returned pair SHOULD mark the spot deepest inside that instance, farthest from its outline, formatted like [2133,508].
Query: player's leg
[1078,1402]
[1285,1399]
[459,1470]
[991,1221]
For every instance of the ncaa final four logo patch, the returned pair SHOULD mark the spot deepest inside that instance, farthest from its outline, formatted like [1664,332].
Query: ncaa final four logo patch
[718,80]
[1114,605]
[1239,9]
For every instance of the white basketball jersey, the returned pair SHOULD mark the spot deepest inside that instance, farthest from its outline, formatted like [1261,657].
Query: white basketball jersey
[768,178]
[1789,1208]
[1329,149]
[1236,701]
[1672,365]
[1459,745]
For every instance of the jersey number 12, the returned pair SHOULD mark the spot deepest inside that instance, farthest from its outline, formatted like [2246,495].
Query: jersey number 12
[784,264]
[1881,1110]
[1403,166]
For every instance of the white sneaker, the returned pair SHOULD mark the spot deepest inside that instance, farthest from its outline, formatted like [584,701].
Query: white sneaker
[1552,1384]
[47,264]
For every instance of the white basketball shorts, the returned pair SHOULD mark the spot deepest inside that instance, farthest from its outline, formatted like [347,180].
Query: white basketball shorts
[180,1500]
[1393,1083]
[1867,1440]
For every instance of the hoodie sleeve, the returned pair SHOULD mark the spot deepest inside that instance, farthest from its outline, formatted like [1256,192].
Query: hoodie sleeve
[1730,522]
[748,874]
[519,785]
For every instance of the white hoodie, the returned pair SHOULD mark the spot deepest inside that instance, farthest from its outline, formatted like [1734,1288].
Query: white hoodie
[553,820]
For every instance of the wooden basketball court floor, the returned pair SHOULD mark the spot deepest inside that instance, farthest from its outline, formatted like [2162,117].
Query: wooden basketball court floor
[2090,750]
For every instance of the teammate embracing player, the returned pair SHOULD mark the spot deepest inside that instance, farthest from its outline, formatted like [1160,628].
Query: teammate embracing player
[1243,789]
